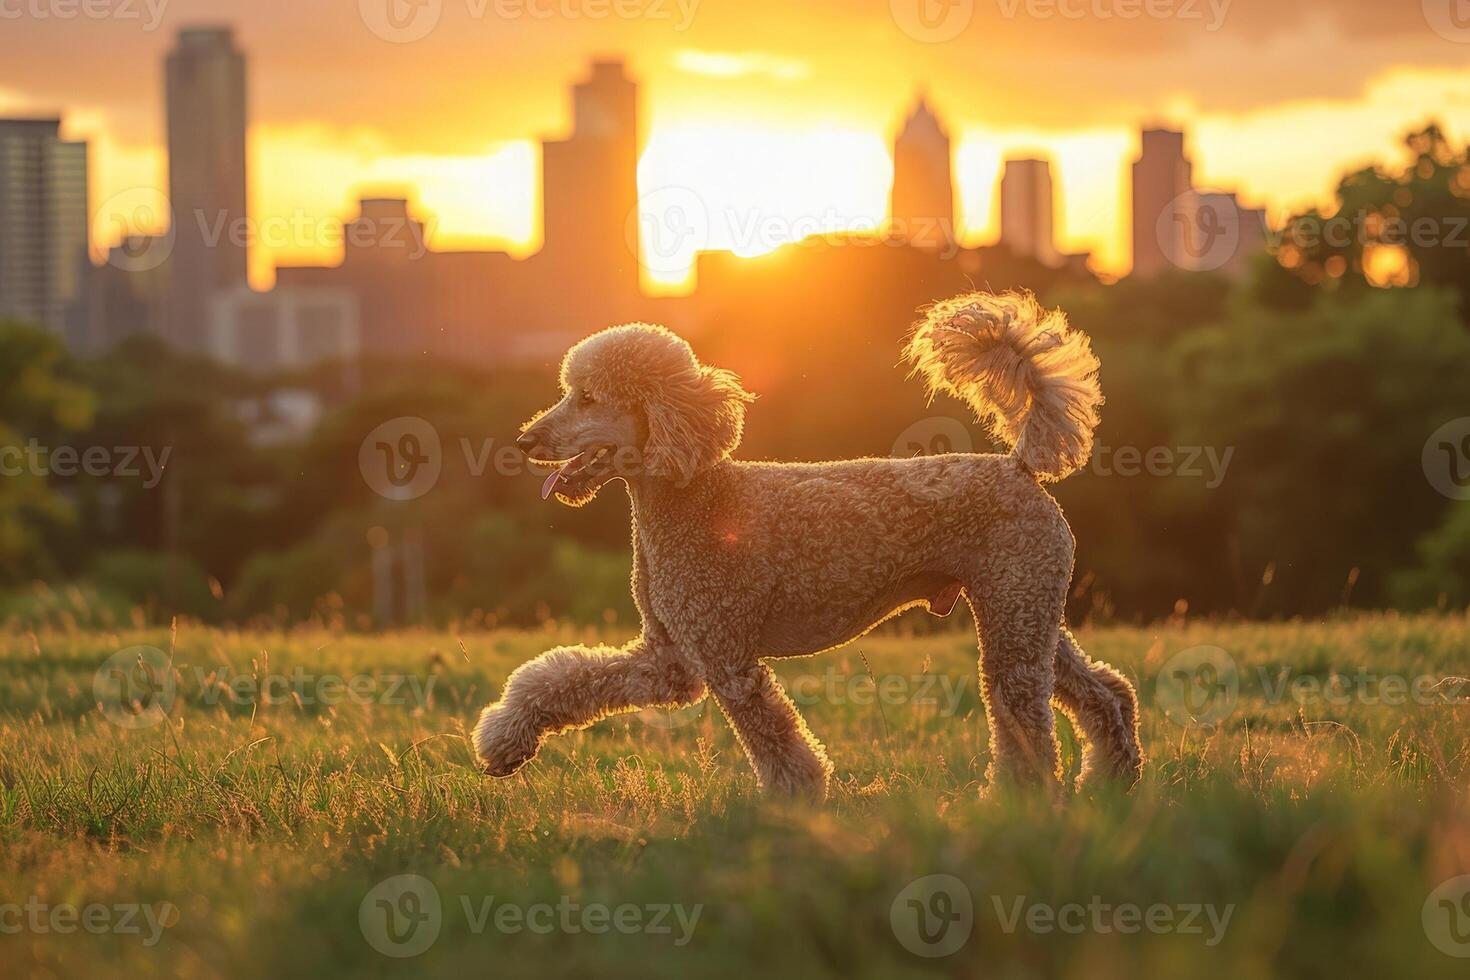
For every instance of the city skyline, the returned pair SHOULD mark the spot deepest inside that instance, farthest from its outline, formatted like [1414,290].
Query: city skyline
[392,292]
[754,122]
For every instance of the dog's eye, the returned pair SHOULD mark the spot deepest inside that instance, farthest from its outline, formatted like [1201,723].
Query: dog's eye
[586,398]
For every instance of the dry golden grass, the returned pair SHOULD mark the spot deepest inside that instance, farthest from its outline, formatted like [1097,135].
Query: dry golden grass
[253,823]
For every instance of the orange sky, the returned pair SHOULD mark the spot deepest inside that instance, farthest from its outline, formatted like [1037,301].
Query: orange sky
[778,115]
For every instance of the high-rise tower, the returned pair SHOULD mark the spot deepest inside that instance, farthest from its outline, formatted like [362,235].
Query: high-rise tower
[590,191]
[1027,225]
[205,95]
[922,204]
[1161,174]
[43,222]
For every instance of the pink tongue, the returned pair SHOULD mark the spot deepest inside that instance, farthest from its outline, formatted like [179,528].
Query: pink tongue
[551,481]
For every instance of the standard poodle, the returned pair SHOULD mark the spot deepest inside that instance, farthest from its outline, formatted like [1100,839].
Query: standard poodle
[736,562]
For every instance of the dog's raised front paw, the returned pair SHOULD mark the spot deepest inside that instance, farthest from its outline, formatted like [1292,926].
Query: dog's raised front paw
[505,739]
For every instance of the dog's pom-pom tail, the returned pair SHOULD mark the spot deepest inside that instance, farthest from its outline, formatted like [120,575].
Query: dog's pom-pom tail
[1028,375]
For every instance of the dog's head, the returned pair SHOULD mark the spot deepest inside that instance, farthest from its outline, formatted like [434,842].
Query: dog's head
[635,401]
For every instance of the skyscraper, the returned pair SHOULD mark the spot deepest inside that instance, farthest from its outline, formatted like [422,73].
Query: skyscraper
[922,203]
[1161,174]
[205,95]
[1217,234]
[590,194]
[43,222]
[1026,202]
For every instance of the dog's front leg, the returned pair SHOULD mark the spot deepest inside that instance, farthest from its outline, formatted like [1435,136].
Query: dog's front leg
[787,758]
[572,687]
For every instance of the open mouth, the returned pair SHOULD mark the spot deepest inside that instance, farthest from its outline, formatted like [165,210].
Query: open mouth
[575,475]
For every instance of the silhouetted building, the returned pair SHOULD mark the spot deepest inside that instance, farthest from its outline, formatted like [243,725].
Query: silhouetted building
[413,300]
[1217,233]
[126,295]
[487,306]
[921,207]
[205,95]
[1161,174]
[43,224]
[590,200]
[1026,202]
[286,328]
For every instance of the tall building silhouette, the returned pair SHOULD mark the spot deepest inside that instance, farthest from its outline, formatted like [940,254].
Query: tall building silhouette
[43,223]
[412,300]
[922,203]
[1161,174]
[1026,210]
[590,197]
[205,96]
[1217,233]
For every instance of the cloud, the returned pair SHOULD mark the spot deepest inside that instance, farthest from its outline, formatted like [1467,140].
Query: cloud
[727,64]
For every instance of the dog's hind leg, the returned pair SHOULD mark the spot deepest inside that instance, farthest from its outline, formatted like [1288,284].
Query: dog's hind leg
[1017,619]
[573,687]
[1104,708]
[787,757]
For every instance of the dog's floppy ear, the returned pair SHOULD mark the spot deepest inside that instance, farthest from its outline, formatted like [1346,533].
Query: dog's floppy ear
[694,419]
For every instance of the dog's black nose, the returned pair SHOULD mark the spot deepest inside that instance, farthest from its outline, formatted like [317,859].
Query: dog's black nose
[527,441]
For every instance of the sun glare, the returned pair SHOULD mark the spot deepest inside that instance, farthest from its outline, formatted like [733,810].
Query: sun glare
[749,190]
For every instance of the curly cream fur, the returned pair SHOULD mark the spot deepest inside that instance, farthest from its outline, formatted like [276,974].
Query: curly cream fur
[737,562]
[1025,372]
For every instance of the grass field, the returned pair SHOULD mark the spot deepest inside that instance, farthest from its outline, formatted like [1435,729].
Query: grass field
[1304,801]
